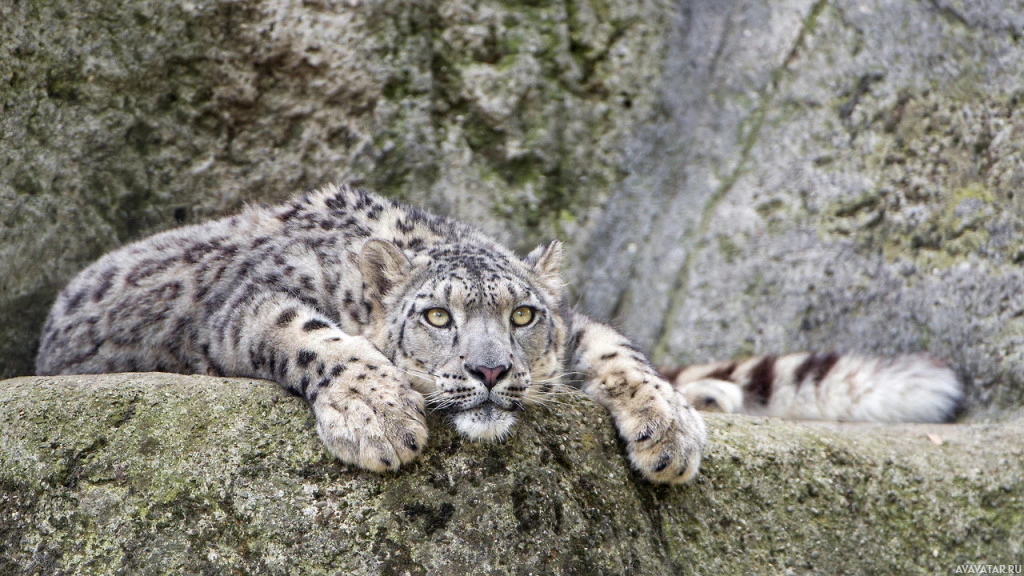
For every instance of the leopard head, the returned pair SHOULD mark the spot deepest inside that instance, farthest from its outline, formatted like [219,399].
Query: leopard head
[475,328]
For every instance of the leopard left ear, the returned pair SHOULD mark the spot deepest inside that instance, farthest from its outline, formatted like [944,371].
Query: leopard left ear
[546,263]
[383,267]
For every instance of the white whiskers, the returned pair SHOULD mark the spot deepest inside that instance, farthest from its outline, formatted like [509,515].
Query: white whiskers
[422,374]
[558,393]
[552,391]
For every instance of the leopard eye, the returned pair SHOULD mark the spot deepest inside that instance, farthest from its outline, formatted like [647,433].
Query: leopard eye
[438,317]
[522,316]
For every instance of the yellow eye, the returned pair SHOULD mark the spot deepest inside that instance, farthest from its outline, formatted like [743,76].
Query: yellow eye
[438,317]
[522,316]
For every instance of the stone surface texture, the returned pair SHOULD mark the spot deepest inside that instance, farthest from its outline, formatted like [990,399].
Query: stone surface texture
[829,175]
[162,474]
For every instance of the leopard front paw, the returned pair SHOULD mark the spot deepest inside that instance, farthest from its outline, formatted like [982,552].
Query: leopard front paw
[664,439]
[371,418]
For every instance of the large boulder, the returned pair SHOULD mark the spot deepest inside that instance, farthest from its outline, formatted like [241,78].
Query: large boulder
[160,474]
[120,119]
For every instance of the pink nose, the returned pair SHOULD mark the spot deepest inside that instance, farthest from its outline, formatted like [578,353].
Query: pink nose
[489,375]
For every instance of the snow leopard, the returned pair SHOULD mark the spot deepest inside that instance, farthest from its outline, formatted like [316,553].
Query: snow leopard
[832,386]
[370,311]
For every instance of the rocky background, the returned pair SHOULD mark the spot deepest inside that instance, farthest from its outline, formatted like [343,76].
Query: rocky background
[122,119]
[730,177]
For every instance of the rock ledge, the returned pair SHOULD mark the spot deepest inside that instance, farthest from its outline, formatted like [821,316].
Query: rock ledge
[157,473]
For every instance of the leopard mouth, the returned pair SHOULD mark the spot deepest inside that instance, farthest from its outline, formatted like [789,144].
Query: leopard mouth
[485,421]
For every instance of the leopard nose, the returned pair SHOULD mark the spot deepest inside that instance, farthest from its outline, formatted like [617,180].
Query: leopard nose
[489,375]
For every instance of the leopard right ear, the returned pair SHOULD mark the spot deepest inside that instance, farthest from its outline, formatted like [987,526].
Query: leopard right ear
[383,267]
[546,263]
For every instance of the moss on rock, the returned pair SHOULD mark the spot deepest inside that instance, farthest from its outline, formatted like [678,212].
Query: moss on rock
[155,473]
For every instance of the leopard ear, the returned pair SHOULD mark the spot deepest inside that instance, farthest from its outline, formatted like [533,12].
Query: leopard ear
[383,267]
[546,263]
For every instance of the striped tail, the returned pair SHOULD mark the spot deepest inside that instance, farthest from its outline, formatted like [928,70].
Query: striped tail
[910,388]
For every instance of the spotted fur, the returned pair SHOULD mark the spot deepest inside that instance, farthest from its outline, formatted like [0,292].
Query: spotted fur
[910,388]
[335,296]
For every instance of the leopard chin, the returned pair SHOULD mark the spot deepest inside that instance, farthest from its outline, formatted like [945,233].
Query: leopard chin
[486,422]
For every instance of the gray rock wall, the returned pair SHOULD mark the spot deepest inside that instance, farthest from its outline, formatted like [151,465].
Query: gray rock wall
[829,175]
[732,177]
[120,119]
